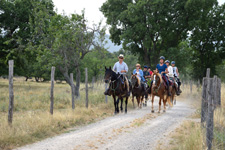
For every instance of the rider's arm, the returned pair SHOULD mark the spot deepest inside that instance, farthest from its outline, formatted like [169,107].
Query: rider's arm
[125,69]
[166,71]
[177,72]
[114,67]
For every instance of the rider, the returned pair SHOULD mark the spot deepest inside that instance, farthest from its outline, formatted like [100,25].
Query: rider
[150,71]
[176,75]
[163,70]
[171,74]
[121,68]
[140,74]
[146,72]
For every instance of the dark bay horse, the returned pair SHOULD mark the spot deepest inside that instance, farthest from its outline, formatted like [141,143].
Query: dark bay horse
[117,88]
[159,89]
[138,90]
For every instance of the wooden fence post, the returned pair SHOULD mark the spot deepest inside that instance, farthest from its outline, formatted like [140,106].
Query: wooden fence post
[11,95]
[52,90]
[218,92]
[86,86]
[72,90]
[208,73]
[209,123]
[106,97]
[204,101]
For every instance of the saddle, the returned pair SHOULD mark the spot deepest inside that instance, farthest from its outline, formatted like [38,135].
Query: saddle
[170,81]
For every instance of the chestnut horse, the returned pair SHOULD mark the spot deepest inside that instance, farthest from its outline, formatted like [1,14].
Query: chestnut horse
[138,90]
[159,89]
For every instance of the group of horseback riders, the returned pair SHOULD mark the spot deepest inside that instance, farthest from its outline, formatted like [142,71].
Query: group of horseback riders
[168,73]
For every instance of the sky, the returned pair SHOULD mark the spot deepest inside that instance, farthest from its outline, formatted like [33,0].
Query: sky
[92,13]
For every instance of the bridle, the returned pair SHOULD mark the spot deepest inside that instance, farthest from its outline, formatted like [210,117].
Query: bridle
[156,81]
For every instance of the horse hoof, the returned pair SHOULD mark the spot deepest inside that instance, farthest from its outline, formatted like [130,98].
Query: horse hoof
[164,110]
[153,111]
[125,112]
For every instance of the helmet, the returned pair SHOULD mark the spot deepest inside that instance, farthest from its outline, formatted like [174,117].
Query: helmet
[173,62]
[167,61]
[145,66]
[162,57]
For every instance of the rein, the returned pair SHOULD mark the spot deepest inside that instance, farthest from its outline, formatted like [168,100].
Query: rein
[117,85]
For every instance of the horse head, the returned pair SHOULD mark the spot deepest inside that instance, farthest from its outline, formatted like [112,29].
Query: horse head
[156,78]
[134,80]
[108,74]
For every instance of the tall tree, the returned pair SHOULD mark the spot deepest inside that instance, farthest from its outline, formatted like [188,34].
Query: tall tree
[65,44]
[148,26]
[208,41]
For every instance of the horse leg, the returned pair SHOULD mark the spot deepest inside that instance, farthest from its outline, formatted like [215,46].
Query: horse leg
[114,98]
[142,101]
[175,100]
[121,106]
[160,99]
[117,105]
[168,100]
[138,101]
[133,101]
[126,101]
[152,104]
[164,105]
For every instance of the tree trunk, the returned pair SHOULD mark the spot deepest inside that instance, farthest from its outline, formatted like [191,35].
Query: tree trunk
[64,71]
[147,57]
[77,93]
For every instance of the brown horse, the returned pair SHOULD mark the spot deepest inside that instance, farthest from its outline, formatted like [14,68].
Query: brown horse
[159,89]
[138,90]
[117,88]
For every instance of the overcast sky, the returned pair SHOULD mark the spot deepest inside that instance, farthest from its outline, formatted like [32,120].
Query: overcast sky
[91,8]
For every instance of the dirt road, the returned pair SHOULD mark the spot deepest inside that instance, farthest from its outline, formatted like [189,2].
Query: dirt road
[137,130]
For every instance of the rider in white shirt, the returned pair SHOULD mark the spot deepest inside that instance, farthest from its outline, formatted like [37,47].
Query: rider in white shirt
[176,75]
[171,75]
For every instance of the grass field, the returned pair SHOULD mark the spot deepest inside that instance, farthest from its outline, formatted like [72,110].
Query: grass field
[190,136]
[32,120]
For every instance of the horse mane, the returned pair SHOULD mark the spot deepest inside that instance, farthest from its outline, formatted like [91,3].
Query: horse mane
[158,74]
[138,80]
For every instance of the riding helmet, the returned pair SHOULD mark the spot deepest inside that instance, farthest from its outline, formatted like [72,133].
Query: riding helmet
[173,62]
[167,61]
[162,57]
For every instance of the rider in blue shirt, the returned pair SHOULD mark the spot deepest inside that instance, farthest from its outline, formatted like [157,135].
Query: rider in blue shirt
[163,70]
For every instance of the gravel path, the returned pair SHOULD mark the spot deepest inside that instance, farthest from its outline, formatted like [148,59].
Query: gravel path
[137,130]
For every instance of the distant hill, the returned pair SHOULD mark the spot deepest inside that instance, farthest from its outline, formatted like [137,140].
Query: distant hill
[111,46]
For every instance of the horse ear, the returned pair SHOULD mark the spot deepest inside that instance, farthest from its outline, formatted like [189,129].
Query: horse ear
[110,68]
[105,68]
[132,73]
[135,73]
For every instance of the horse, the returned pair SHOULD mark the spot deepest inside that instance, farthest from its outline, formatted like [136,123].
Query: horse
[138,90]
[159,89]
[117,88]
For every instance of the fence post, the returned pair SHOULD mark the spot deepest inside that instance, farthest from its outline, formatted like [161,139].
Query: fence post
[11,95]
[191,86]
[218,90]
[72,90]
[204,101]
[52,90]
[208,73]
[86,86]
[209,123]
[106,97]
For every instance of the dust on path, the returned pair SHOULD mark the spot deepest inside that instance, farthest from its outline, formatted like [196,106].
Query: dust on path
[136,130]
